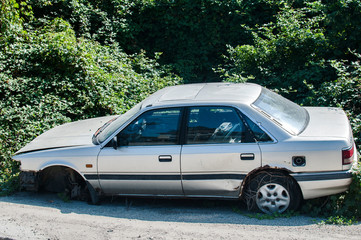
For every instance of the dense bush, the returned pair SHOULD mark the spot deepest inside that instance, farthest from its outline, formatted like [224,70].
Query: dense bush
[192,35]
[285,53]
[290,38]
[49,77]
[296,49]
[343,27]
[344,92]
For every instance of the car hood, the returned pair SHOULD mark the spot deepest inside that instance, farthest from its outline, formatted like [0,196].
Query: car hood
[327,122]
[67,135]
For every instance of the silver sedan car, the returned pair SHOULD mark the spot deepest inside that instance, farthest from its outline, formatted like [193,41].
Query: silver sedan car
[212,140]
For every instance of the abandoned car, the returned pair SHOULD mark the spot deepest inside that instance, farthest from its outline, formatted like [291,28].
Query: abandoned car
[212,140]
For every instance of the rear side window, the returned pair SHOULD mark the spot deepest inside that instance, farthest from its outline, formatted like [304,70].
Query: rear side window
[216,125]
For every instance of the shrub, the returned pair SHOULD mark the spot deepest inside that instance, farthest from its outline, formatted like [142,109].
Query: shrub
[344,92]
[284,53]
[49,77]
[192,35]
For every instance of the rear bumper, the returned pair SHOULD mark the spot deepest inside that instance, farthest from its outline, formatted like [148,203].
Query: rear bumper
[319,184]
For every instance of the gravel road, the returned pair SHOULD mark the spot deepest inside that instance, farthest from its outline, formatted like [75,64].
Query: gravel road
[46,216]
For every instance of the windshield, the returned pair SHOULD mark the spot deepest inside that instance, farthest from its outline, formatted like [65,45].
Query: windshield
[289,115]
[110,127]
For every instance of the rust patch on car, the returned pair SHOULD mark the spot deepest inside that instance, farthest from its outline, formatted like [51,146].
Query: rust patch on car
[255,171]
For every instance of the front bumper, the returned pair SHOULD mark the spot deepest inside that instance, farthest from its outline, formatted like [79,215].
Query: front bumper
[29,180]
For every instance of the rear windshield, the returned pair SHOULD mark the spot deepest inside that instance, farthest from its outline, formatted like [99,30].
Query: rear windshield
[282,111]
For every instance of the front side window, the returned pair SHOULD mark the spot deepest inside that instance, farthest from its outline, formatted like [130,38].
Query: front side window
[216,125]
[155,127]
[258,133]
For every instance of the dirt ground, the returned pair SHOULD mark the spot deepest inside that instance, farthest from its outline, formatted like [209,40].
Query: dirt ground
[46,216]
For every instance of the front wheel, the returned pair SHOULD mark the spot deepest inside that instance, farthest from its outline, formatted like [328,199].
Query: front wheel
[272,192]
[65,181]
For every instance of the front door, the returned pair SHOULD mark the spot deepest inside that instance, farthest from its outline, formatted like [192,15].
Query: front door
[147,160]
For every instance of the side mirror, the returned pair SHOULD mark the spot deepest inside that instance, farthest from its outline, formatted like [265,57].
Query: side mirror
[115,142]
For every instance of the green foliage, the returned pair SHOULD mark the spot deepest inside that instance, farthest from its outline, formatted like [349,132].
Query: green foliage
[296,49]
[263,216]
[343,26]
[290,39]
[339,220]
[11,19]
[284,53]
[192,35]
[50,76]
[344,92]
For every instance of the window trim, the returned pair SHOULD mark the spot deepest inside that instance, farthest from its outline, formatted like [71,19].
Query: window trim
[239,114]
[259,125]
[183,123]
[177,142]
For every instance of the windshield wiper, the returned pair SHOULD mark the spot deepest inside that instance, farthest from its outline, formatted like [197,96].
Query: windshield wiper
[105,125]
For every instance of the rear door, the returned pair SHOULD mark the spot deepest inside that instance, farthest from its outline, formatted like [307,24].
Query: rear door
[219,151]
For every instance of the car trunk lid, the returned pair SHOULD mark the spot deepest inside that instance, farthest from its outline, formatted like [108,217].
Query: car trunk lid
[328,122]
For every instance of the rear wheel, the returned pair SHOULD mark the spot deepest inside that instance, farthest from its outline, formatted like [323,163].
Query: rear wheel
[272,192]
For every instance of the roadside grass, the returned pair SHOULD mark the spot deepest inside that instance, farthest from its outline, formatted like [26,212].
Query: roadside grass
[339,220]
[263,216]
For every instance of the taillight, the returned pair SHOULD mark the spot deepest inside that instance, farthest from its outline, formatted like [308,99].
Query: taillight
[347,156]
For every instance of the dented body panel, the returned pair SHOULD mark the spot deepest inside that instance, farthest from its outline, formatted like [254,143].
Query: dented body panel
[67,135]
[168,162]
[217,169]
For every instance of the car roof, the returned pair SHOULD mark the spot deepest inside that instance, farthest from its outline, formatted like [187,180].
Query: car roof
[245,93]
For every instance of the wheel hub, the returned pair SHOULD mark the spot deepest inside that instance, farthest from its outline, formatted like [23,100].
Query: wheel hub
[272,198]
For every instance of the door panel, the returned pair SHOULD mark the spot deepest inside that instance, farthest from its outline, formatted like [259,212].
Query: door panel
[217,169]
[138,170]
[147,162]
[218,153]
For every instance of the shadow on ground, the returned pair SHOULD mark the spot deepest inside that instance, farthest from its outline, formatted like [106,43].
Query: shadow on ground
[155,209]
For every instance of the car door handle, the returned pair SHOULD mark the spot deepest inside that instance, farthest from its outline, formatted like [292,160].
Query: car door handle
[165,158]
[247,156]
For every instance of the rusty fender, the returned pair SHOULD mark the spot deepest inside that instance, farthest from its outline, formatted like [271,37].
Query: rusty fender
[256,171]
